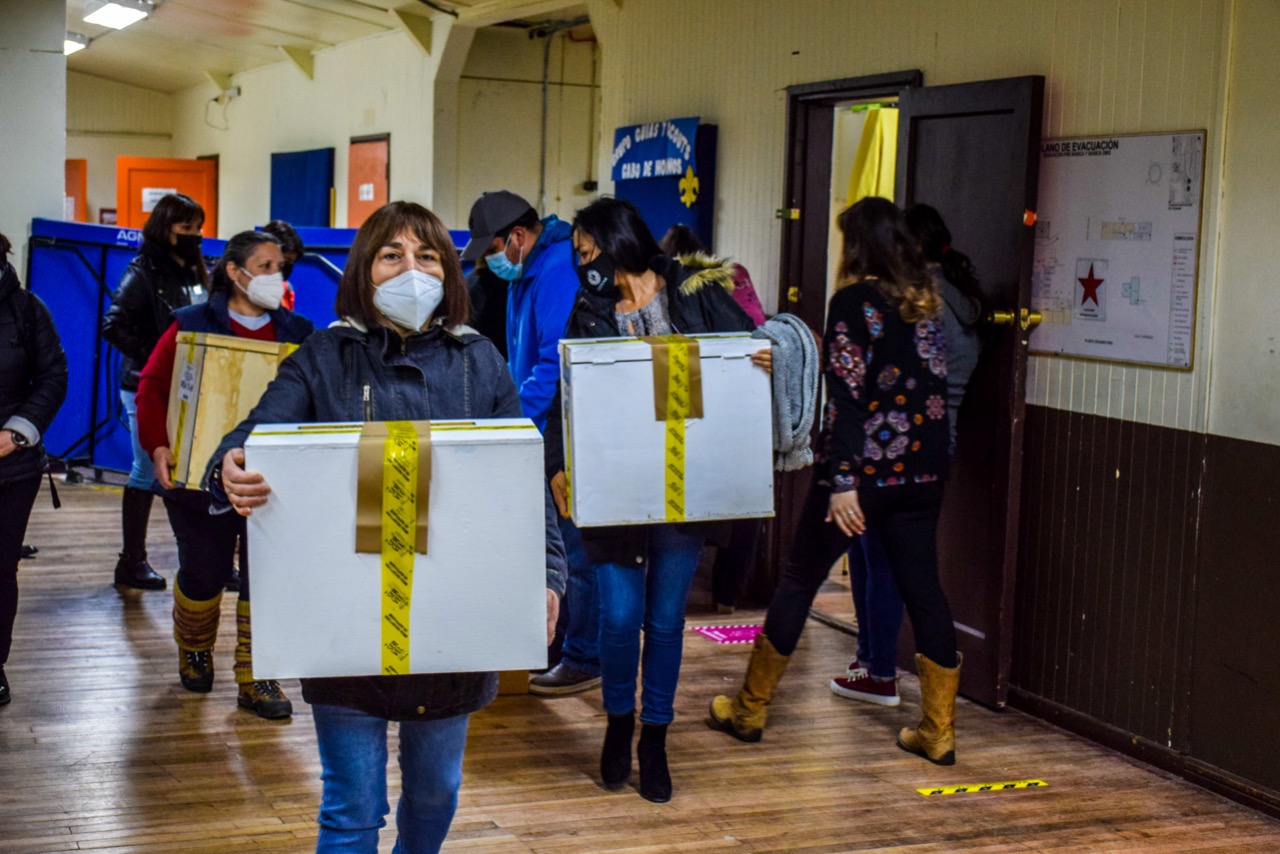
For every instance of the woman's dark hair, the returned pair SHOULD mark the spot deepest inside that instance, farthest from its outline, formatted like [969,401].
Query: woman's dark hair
[290,242]
[617,228]
[680,240]
[355,291]
[935,242]
[173,209]
[878,245]
[239,250]
[5,248]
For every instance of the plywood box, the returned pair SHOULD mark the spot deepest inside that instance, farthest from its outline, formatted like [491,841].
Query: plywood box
[620,457]
[477,596]
[217,380]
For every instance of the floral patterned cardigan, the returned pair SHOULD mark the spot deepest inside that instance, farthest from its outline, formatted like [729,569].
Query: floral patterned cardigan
[885,420]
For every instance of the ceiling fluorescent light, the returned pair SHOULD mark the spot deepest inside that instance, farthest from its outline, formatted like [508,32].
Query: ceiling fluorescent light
[74,42]
[116,14]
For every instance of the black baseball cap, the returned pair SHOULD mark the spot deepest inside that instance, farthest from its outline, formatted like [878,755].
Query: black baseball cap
[491,213]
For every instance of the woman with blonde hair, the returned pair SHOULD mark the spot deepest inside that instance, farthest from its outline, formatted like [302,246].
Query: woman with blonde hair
[883,456]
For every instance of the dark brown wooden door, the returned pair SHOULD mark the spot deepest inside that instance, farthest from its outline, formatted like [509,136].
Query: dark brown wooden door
[972,151]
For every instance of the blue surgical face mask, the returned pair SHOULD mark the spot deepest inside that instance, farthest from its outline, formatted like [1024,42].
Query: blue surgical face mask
[503,267]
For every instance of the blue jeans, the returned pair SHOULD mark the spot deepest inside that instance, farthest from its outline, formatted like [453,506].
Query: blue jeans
[877,604]
[143,474]
[581,648]
[353,759]
[651,597]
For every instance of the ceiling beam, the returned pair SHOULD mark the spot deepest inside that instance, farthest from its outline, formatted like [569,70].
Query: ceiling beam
[417,26]
[303,59]
[491,12]
[221,79]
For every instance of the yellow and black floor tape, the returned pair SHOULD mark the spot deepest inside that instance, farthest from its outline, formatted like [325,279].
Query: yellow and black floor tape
[983,787]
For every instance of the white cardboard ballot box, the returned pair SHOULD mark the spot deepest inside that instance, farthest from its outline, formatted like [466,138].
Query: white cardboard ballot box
[617,451]
[478,595]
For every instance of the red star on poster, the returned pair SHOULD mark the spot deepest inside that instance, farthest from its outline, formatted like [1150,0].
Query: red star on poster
[1090,283]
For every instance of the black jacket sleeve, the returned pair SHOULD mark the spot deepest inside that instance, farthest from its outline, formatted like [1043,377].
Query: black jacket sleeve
[49,379]
[129,321]
[722,313]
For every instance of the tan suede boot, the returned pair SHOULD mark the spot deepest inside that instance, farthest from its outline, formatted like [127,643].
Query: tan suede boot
[195,628]
[935,737]
[743,715]
[263,697]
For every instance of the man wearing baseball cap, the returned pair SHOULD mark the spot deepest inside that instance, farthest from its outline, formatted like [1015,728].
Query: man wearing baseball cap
[535,256]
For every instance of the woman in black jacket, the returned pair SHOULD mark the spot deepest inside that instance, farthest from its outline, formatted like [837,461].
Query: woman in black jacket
[33,384]
[167,274]
[643,572]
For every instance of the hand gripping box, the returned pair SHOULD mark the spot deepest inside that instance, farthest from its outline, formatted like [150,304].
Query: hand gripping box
[217,380]
[341,583]
[670,429]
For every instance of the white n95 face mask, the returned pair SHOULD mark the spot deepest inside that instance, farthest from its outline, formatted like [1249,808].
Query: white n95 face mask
[265,291]
[409,299]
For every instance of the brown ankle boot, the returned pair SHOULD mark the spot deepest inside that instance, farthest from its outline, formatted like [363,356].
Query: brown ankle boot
[743,715]
[935,737]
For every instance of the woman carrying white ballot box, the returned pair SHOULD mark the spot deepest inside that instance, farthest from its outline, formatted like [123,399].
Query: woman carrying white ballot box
[401,353]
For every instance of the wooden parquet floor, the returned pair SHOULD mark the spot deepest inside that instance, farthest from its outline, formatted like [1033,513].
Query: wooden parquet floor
[102,750]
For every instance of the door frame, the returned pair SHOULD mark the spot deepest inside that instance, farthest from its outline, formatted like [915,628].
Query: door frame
[807,186]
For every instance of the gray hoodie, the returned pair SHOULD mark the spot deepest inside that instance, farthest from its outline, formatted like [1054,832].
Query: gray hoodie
[960,316]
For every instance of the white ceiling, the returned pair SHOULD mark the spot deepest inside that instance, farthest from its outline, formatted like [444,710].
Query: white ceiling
[182,39]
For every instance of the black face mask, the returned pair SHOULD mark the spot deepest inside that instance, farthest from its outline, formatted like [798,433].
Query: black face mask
[188,246]
[597,275]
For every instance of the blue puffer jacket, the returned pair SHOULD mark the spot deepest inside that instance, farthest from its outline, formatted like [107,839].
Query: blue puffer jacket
[213,317]
[537,312]
[347,374]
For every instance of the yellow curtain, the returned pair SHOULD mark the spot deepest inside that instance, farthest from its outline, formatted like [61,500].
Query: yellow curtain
[875,165]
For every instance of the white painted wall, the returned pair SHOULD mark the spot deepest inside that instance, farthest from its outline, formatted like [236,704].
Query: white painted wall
[1244,388]
[106,120]
[499,102]
[1112,66]
[382,84]
[33,117]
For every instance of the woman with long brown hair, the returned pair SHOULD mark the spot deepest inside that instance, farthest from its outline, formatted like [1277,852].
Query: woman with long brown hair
[883,456]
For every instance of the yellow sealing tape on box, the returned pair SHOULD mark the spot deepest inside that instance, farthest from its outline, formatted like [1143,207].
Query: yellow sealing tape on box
[983,787]
[182,410]
[677,395]
[394,476]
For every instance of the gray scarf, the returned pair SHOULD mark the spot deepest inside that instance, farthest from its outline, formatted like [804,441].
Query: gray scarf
[796,367]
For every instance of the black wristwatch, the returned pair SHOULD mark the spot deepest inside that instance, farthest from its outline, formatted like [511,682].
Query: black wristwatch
[19,440]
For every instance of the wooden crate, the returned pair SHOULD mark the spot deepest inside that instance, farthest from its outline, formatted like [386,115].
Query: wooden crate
[217,380]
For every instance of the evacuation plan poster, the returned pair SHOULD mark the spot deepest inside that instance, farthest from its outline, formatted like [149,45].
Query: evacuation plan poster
[1117,245]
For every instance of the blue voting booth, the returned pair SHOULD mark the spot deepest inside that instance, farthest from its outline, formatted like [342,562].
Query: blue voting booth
[75,269]
[668,171]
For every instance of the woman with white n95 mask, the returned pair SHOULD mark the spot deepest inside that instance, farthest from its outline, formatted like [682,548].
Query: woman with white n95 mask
[402,352]
[245,292]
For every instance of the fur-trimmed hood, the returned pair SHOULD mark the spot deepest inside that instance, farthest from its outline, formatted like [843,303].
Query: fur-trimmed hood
[702,269]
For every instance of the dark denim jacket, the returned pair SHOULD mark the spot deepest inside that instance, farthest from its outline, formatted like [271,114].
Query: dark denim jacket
[345,374]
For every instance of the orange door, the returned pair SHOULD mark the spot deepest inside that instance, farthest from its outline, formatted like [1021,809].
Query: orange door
[368,177]
[143,181]
[77,184]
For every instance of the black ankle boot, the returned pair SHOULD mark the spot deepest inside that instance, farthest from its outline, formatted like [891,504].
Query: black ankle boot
[132,570]
[655,779]
[615,758]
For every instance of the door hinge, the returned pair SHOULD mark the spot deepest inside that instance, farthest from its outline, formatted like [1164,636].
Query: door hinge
[787,213]
[793,294]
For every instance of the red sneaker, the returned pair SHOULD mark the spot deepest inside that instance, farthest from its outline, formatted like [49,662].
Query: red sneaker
[857,684]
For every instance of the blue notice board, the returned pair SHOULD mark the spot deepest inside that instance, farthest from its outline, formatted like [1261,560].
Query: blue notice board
[667,170]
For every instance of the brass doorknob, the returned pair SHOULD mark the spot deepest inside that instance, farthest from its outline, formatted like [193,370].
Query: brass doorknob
[1026,318]
[793,294]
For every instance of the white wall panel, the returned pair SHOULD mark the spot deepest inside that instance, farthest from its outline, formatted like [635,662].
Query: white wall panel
[1112,66]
